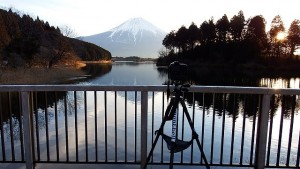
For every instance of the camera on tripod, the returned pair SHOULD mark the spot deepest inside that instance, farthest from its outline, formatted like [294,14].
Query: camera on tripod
[177,75]
[178,72]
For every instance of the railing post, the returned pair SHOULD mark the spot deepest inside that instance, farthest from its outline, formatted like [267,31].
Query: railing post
[262,133]
[144,126]
[27,130]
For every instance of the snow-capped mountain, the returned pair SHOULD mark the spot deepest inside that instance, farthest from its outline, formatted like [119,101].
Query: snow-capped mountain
[135,37]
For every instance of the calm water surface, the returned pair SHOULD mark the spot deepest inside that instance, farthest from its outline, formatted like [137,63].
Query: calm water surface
[128,73]
[57,115]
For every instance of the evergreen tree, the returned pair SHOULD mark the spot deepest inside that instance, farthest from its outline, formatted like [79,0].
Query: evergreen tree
[182,38]
[237,24]
[169,40]
[222,27]
[208,32]
[193,35]
[256,34]
[293,37]
[276,28]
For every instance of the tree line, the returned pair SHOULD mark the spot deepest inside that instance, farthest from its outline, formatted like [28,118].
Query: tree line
[237,40]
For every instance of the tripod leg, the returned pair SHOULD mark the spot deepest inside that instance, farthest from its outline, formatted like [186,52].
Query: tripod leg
[160,130]
[194,132]
[174,134]
[152,149]
[171,158]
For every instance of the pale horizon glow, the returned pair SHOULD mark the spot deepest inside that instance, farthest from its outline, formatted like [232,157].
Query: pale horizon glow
[94,16]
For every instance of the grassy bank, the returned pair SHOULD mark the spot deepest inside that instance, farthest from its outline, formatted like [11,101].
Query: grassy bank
[54,75]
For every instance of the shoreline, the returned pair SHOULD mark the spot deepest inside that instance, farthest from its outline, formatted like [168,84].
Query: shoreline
[99,61]
[38,76]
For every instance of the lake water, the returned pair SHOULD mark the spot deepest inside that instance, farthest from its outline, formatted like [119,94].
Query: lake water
[127,73]
[130,73]
[74,125]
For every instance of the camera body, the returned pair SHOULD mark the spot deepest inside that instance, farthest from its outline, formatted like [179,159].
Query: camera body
[177,71]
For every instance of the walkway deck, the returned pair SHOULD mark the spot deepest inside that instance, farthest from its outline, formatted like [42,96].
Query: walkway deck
[108,166]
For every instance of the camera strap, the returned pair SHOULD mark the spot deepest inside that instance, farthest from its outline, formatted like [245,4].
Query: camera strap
[173,143]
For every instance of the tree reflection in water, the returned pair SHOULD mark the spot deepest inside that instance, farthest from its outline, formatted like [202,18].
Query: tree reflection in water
[70,116]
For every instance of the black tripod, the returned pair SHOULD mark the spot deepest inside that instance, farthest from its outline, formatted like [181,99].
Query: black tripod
[173,144]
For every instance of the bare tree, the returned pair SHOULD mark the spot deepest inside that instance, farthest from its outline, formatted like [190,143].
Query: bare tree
[68,31]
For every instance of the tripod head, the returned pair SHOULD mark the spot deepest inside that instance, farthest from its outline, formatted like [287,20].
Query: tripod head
[179,89]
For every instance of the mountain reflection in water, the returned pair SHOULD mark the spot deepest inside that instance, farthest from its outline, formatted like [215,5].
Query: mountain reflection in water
[64,108]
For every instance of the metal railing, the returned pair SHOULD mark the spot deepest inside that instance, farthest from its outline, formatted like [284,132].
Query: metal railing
[237,126]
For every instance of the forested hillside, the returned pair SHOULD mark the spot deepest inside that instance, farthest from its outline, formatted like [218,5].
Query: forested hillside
[25,41]
[234,41]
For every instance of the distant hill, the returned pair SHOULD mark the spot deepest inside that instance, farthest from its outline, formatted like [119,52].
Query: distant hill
[135,37]
[133,59]
[25,41]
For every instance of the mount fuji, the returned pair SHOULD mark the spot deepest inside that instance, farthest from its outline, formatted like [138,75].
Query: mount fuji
[135,37]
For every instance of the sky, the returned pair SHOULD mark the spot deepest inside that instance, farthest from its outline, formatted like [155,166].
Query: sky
[88,17]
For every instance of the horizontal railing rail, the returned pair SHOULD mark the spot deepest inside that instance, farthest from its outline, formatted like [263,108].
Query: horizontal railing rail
[205,89]
[238,126]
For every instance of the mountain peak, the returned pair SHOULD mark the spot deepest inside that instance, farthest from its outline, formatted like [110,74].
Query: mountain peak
[134,37]
[136,26]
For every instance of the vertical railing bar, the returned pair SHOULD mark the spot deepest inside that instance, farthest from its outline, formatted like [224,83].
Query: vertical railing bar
[291,131]
[56,127]
[193,118]
[213,130]
[37,127]
[262,132]
[66,127]
[21,126]
[144,126]
[223,128]
[116,127]
[27,131]
[162,116]
[105,123]
[125,126]
[280,129]
[47,127]
[152,126]
[12,145]
[2,133]
[233,129]
[96,126]
[86,128]
[243,132]
[135,126]
[253,132]
[76,125]
[270,132]
[298,154]
[31,110]
[203,124]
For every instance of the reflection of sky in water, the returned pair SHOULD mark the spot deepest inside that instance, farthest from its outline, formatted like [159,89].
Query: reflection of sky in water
[146,74]
[127,117]
[279,83]
[130,74]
